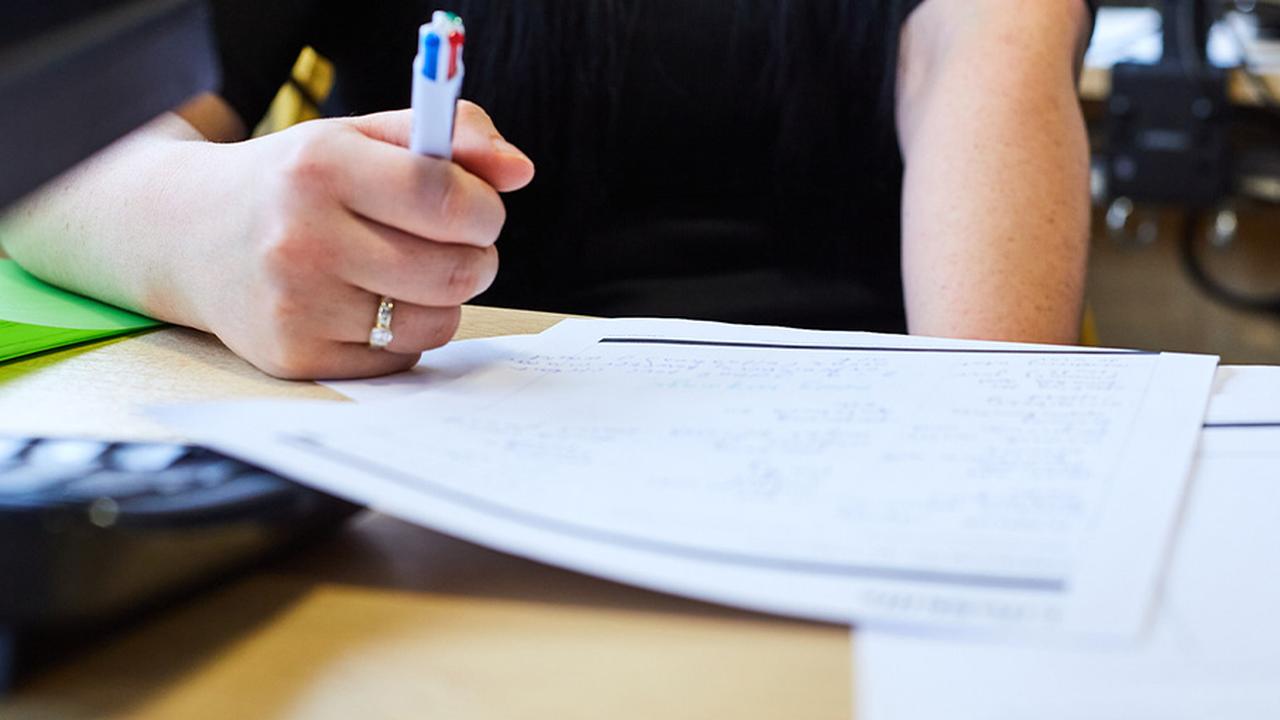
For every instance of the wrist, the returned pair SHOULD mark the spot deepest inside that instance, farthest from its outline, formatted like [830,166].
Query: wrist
[194,238]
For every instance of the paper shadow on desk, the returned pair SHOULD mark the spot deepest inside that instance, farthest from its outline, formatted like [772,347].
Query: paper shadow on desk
[378,551]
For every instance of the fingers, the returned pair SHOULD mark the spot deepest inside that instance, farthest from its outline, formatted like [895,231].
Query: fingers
[429,198]
[386,261]
[477,144]
[414,328]
[331,340]
[290,353]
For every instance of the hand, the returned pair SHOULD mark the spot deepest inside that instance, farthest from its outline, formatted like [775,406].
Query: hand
[338,213]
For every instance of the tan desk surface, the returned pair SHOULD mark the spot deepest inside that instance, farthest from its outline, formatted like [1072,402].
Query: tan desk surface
[390,620]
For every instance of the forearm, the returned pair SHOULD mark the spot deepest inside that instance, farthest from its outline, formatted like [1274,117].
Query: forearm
[128,225]
[995,200]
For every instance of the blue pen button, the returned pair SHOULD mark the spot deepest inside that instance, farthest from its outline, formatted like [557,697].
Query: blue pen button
[431,56]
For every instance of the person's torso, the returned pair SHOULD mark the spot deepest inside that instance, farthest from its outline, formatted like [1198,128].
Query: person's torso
[681,170]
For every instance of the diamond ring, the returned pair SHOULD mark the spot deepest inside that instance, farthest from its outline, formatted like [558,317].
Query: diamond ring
[380,336]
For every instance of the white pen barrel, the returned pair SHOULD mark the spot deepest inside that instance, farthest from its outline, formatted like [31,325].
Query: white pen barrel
[437,82]
[433,114]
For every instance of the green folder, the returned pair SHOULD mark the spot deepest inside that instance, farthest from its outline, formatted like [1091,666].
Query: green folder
[36,317]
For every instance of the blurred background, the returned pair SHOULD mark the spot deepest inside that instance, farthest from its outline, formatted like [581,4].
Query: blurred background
[1183,103]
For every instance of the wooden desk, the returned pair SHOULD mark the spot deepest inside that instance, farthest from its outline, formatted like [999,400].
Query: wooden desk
[388,620]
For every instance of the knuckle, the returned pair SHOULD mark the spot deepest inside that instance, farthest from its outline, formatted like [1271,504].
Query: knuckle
[453,206]
[442,326]
[287,312]
[463,274]
[462,277]
[499,215]
[287,250]
[470,113]
[300,247]
[489,216]
[308,165]
[471,109]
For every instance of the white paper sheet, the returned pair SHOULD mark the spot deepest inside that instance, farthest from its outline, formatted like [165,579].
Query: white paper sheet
[838,476]
[1214,650]
[461,358]
[436,368]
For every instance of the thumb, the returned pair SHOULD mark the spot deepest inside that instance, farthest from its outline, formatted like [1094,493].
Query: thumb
[477,144]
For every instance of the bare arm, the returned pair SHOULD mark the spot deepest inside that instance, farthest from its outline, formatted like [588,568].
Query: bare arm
[280,245]
[119,226]
[995,198]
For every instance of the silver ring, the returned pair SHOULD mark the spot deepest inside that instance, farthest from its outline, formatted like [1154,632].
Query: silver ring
[381,336]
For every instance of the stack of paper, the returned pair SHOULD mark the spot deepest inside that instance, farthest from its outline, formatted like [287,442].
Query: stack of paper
[35,317]
[1213,650]
[1007,490]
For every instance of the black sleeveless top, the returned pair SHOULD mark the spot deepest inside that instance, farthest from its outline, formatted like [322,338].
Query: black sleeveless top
[720,159]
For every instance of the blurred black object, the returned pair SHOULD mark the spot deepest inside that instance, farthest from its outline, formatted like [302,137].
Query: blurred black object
[77,74]
[1168,122]
[94,532]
